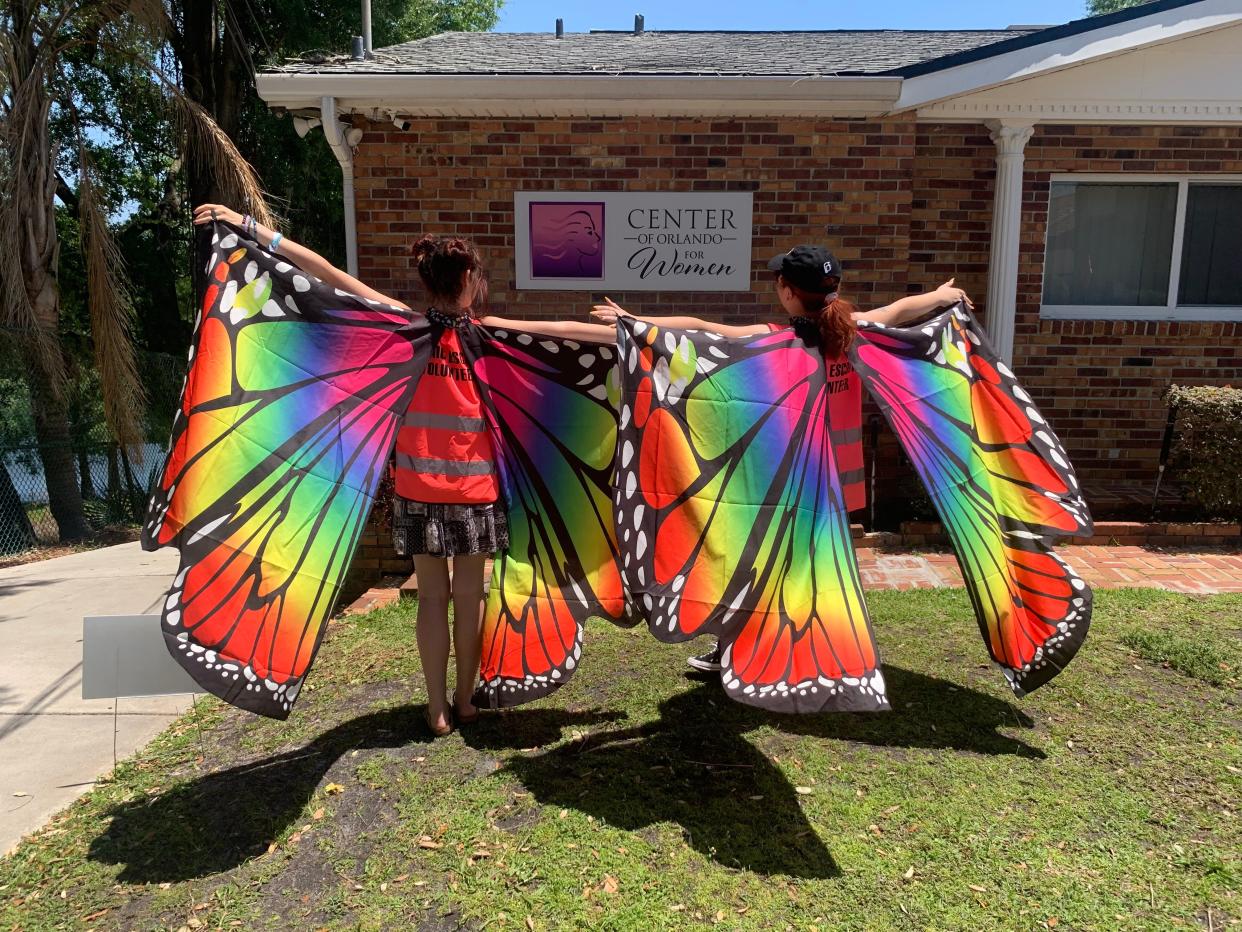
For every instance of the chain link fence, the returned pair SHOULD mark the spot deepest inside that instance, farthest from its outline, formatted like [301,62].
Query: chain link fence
[94,483]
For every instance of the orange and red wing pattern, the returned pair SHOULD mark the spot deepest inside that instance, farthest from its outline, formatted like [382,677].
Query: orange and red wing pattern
[551,405]
[999,478]
[286,423]
[731,516]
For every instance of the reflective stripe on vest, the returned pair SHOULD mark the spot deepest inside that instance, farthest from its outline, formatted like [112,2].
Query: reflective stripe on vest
[444,452]
[431,464]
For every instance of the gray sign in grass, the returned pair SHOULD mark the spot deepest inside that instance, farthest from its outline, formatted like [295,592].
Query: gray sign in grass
[124,655]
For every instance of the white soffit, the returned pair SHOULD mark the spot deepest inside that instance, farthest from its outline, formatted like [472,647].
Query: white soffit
[1197,79]
[1166,26]
[581,95]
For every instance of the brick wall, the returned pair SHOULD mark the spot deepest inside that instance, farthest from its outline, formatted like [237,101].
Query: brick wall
[848,181]
[905,206]
[1098,382]
[1101,381]
[374,558]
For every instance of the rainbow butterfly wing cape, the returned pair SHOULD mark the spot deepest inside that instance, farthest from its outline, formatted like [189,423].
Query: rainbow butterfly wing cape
[552,407]
[1000,480]
[732,516]
[726,513]
[725,530]
[286,423]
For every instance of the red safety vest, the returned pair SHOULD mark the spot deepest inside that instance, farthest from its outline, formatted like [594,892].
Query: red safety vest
[845,427]
[444,453]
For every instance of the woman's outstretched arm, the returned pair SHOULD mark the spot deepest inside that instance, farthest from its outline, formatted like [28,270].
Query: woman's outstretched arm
[565,329]
[611,311]
[306,259]
[915,306]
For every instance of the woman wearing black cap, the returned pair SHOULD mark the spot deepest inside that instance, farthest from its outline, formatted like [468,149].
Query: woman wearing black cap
[808,279]
[807,282]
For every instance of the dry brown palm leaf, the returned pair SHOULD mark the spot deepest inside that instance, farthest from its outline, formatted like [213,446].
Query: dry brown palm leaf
[112,316]
[212,150]
[152,14]
[27,233]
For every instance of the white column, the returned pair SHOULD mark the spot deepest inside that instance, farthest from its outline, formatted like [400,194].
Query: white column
[1010,137]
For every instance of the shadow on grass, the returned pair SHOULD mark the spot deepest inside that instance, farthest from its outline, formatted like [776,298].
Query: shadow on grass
[927,712]
[694,767]
[217,822]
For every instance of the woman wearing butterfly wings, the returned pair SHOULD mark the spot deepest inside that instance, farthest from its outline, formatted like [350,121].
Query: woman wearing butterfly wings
[447,493]
[807,280]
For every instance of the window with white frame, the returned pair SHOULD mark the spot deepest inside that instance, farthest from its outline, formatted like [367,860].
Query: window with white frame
[1148,247]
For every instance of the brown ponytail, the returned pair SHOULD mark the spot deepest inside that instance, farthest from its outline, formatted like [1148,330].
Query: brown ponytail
[832,314]
[441,262]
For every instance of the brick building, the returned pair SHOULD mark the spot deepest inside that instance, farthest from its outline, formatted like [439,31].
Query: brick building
[1083,182]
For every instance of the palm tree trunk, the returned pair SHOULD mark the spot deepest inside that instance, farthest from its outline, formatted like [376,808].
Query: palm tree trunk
[31,236]
[64,495]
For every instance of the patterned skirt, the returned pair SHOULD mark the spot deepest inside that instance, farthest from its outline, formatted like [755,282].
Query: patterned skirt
[439,530]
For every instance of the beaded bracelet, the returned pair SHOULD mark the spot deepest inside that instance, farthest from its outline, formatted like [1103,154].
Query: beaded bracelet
[246,224]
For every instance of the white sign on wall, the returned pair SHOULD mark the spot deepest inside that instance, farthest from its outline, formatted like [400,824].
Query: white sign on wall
[633,240]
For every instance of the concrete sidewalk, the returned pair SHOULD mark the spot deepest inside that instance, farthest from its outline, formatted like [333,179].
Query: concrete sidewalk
[53,744]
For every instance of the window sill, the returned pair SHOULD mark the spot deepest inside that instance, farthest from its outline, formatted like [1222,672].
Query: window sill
[1175,314]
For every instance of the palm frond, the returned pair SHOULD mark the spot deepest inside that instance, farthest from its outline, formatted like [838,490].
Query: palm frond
[28,297]
[112,316]
[212,151]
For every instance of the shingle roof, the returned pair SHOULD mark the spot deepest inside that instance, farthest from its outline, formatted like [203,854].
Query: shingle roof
[839,52]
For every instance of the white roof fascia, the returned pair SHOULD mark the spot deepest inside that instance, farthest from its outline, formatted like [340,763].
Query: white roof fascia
[576,94]
[1104,42]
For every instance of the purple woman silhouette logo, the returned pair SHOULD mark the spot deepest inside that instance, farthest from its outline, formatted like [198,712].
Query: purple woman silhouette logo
[567,239]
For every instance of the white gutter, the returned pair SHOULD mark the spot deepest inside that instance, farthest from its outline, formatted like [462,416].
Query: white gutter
[344,154]
[592,95]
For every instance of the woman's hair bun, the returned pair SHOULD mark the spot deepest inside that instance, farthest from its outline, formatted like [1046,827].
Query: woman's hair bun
[424,246]
[442,261]
[457,248]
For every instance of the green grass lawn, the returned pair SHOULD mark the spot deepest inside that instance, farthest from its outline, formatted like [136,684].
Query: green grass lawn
[640,798]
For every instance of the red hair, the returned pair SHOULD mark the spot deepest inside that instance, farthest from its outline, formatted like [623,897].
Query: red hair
[442,262]
[831,313]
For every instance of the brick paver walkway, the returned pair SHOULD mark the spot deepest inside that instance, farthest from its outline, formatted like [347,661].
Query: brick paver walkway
[1190,571]
[1198,572]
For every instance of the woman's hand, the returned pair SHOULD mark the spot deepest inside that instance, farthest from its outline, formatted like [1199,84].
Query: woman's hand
[608,314]
[947,294]
[206,213]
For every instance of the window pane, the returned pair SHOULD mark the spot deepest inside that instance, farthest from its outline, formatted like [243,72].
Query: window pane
[1212,246]
[1109,244]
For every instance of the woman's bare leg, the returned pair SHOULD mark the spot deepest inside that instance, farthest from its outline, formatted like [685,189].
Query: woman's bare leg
[467,625]
[433,637]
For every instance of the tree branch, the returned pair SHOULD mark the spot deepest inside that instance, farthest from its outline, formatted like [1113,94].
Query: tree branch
[65,193]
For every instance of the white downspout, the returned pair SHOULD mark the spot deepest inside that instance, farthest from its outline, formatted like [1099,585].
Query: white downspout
[344,154]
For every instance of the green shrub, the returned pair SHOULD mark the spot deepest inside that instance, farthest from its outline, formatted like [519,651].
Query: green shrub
[1207,452]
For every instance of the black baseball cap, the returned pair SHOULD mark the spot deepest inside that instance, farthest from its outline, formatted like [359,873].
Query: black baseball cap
[807,267]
